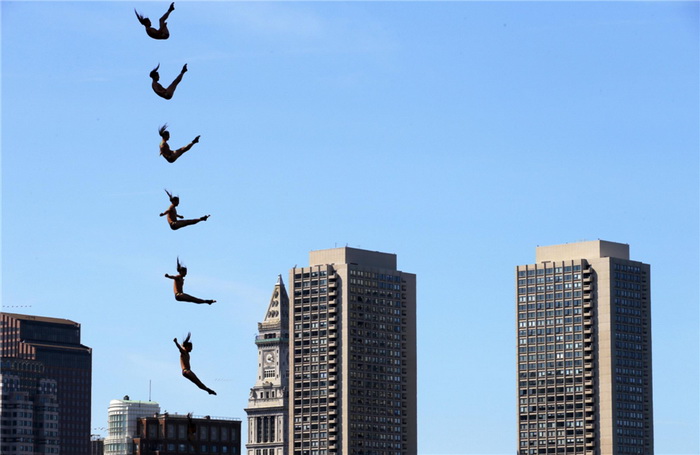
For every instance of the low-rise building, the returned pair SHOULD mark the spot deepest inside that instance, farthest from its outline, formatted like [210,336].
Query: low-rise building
[176,434]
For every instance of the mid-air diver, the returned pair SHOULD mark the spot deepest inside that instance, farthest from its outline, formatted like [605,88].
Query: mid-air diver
[185,349]
[173,216]
[162,31]
[179,283]
[166,93]
[170,155]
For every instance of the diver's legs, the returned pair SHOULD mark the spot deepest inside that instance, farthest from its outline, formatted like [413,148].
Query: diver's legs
[188,298]
[193,377]
[170,91]
[175,225]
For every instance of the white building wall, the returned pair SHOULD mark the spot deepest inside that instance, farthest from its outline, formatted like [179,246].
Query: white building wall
[121,419]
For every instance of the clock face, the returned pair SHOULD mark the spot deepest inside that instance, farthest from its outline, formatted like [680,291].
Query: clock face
[269,358]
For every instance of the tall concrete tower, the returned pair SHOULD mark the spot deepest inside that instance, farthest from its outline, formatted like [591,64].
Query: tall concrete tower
[352,355]
[267,406]
[584,351]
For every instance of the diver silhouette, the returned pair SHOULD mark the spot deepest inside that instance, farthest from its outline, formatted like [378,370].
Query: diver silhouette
[170,155]
[179,283]
[162,31]
[173,216]
[166,93]
[185,348]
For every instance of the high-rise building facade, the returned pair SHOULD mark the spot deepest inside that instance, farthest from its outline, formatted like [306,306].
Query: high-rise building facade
[55,344]
[268,403]
[584,351]
[352,321]
[121,420]
[28,408]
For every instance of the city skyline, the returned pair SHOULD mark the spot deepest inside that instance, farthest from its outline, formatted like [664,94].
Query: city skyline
[456,135]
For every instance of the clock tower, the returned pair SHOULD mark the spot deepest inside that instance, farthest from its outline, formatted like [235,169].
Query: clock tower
[267,405]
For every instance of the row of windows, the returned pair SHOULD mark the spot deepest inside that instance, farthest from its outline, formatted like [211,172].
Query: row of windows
[545,434]
[628,320]
[377,302]
[314,299]
[628,294]
[542,297]
[533,347]
[264,451]
[629,328]
[567,424]
[628,303]
[541,442]
[298,292]
[369,292]
[552,321]
[627,285]
[549,279]
[375,284]
[549,331]
[179,431]
[314,274]
[377,336]
[374,275]
[550,356]
[551,419]
[188,448]
[629,406]
[627,268]
[549,270]
[550,312]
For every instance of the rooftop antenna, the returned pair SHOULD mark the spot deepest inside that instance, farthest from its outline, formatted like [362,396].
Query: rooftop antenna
[149,390]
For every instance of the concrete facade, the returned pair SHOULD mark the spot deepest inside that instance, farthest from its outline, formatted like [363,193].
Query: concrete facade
[584,351]
[352,355]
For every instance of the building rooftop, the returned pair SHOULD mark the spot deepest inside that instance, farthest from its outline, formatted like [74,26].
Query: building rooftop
[347,255]
[28,317]
[593,249]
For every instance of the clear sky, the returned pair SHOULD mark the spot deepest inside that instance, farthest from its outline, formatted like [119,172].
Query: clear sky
[458,135]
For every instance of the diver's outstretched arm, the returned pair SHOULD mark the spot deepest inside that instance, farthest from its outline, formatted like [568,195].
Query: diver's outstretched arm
[179,346]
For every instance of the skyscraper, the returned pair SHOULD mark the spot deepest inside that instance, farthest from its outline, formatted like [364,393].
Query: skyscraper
[55,344]
[352,355]
[267,406]
[28,408]
[584,351]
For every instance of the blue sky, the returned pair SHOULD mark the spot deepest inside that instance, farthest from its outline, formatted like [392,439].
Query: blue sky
[458,135]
